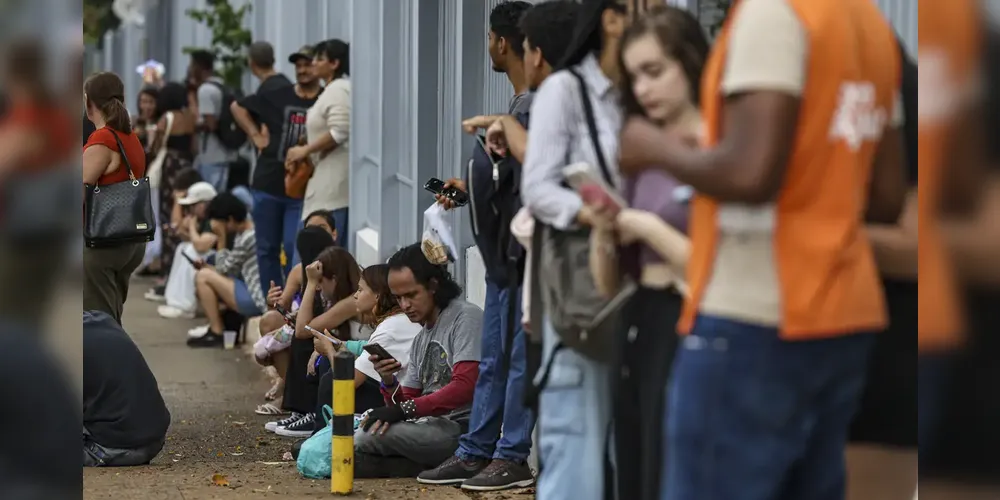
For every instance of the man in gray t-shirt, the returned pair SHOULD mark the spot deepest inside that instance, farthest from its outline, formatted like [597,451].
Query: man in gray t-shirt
[214,158]
[427,408]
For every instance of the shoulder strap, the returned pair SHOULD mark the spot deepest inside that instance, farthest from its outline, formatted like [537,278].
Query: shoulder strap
[169,117]
[588,111]
[121,151]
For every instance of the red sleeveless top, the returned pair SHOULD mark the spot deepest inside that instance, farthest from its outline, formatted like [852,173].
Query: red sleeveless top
[133,151]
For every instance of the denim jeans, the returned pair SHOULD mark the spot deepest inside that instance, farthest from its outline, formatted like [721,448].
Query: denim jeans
[499,397]
[216,174]
[277,221]
[754,417]
[574,420]
[340,220]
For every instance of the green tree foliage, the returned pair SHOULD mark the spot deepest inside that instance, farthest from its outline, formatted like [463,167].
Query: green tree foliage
[98,19]
[229,38]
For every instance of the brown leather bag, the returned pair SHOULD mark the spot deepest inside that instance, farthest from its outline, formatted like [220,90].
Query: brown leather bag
[297,176]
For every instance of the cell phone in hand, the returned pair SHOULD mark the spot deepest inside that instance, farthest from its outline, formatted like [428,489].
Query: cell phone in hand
[198,264]
[584,179]
[316,332]
[457,196]
[289,317]
[378,351]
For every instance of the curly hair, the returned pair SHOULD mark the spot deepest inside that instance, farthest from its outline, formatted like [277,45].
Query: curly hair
[377,278]
[433,277]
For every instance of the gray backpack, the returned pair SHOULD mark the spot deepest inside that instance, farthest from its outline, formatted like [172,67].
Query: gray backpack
[584,320]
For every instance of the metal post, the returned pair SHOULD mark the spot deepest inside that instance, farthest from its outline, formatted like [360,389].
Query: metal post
[342,458]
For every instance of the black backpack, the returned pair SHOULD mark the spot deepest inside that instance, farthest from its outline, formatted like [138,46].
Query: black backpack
[230,134]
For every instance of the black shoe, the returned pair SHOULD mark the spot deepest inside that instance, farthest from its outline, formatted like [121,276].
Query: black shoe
[369,466]
[453,471]
[296,449]
[501,475]
[210,339]
[302,428]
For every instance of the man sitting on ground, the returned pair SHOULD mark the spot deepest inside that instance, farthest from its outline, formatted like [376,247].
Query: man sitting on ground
[125,420]
[429,408]
[235,280]
[197,243]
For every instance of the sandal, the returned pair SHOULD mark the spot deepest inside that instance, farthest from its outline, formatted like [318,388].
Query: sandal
[270,410]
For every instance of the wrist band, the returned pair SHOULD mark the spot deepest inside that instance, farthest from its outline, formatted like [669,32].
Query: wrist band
[388,388]
[409,408]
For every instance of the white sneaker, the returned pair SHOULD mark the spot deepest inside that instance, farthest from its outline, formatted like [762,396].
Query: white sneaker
[198,331]
[154,296]
[171,312]
[280,424]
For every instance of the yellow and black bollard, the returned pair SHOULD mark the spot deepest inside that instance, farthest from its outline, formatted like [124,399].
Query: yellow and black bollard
[342,465]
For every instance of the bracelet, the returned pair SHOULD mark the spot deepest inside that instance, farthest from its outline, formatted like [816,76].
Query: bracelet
[389,388]
[409,408]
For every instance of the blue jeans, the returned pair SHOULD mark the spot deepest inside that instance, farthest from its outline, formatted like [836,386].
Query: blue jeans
[216,174]
[499,396]
[277,221]
[574,420]
[754,417]
[340,220]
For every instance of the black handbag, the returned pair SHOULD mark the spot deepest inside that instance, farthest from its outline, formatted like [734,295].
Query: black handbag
[121,213]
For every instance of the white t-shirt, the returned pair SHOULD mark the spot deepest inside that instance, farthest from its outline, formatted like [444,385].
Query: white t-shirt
[360,332]
[395,334]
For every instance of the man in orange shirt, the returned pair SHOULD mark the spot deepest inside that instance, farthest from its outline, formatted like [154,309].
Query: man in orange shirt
[802,145]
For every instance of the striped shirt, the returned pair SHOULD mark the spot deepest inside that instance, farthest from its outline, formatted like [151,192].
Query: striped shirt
[241,263]
[558,136]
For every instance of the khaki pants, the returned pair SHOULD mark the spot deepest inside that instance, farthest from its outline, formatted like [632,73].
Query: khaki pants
[106,275]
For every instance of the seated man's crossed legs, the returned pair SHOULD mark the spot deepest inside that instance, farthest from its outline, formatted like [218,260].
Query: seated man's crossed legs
[405,448]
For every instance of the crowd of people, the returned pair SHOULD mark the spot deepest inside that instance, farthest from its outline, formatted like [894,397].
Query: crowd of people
[681,297]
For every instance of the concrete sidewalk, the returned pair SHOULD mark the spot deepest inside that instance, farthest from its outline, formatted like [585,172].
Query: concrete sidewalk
[211,394]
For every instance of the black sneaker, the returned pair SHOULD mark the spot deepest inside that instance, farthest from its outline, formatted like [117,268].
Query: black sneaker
[285,422]
[302,428]
[501,475]
[210,339]
[453,471]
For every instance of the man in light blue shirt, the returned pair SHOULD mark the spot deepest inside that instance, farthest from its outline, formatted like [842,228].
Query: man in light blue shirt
[214,159]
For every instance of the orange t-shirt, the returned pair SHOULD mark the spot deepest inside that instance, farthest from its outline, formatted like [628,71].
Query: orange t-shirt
[949,54]
[133,151]
[826,274]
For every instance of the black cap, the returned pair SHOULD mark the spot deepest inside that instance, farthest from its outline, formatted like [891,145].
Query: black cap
[306,52]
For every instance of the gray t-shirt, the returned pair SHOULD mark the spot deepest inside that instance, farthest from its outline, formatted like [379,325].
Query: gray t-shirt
[210,103]
[521,103]
[454,338]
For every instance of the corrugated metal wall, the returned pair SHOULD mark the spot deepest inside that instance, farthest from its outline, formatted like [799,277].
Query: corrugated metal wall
[418,68]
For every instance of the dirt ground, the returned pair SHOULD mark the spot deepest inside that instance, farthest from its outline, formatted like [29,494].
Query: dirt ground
[211,394]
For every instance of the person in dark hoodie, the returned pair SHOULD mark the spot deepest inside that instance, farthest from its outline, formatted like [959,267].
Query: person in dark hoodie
[125,420]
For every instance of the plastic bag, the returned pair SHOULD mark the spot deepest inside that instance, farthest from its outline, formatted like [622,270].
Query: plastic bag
[437,242]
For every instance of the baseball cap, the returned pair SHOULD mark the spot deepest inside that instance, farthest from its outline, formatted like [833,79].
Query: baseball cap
[305,52]
[197,193]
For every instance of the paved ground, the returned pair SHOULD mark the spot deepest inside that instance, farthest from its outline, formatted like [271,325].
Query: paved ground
[211,395]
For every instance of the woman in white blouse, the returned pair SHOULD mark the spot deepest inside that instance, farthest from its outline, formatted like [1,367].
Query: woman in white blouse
[328,129]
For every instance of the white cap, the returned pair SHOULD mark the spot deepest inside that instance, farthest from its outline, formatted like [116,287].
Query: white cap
[197,193]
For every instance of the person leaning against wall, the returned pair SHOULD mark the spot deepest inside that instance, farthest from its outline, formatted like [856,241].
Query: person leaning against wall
[107,270]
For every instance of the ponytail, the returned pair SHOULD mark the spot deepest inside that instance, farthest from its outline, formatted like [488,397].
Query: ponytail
[116,115]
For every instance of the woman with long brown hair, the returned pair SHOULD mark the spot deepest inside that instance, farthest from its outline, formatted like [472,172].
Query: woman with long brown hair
[661,59]
[107,270]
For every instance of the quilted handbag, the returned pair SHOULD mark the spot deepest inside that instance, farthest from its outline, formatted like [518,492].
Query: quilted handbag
[121,213]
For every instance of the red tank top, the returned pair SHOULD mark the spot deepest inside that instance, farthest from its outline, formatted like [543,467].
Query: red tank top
[133,151]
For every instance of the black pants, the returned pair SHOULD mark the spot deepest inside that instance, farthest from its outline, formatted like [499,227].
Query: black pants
[366,397]
[300,388]
[640,397]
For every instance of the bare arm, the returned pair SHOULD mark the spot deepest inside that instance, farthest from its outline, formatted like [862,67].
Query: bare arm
[604,262]
[342,311]
[292,284]
[244,120]
[97,161]
[975,241]
[895,245]
[17,144]
[670,244]
[516,136]
[888,187]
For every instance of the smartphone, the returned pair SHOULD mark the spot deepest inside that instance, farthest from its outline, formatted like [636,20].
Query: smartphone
[436,186]
[582,174]
[289,318]
[377,350]
[196,263]
[321,334]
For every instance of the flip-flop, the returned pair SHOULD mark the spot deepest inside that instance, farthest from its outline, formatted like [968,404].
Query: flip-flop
[270,410]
